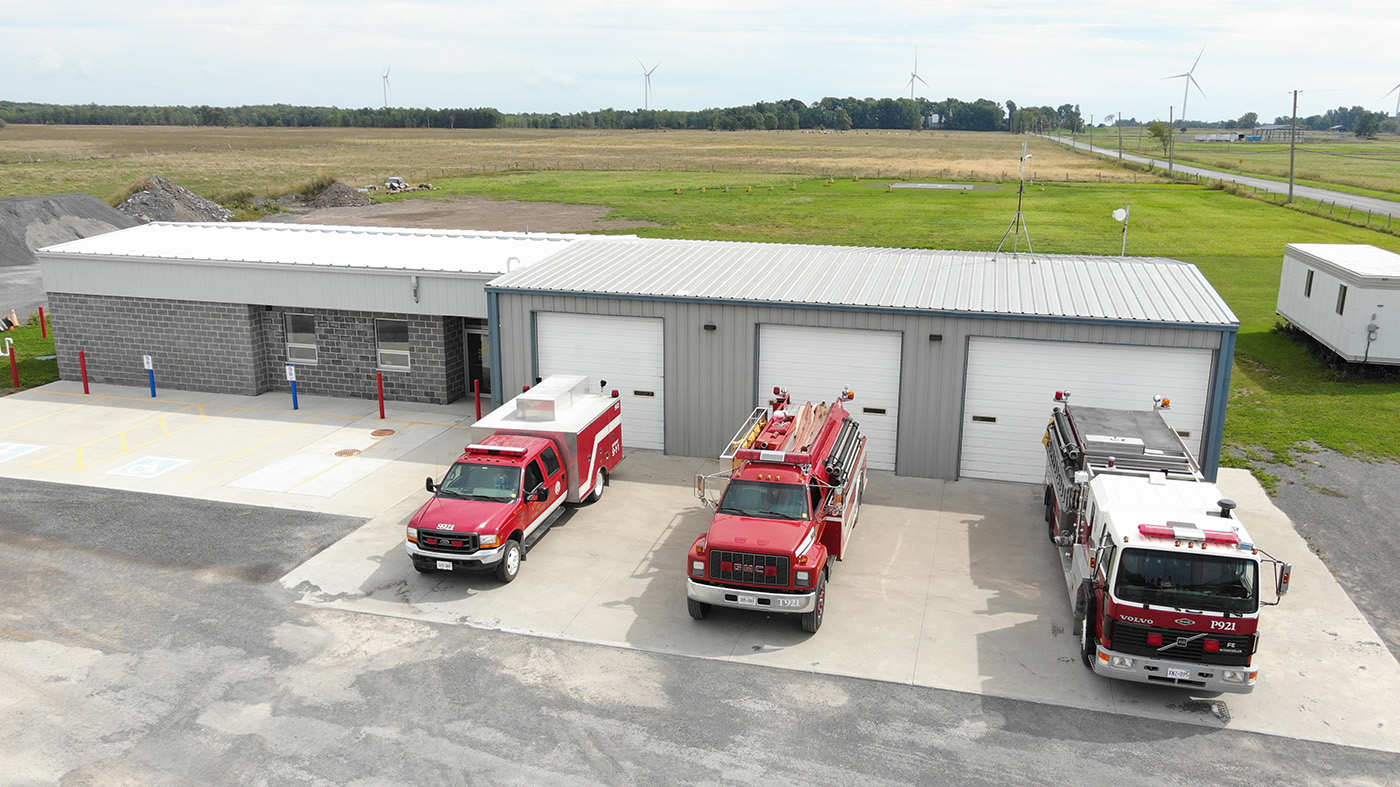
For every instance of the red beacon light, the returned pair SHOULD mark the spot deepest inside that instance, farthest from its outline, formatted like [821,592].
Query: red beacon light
[1061,396]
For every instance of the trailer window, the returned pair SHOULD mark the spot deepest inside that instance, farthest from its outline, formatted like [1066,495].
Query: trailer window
[1307,286]
[1214,583]
[481,482]
[765,500]
[1341,297]
[551,461]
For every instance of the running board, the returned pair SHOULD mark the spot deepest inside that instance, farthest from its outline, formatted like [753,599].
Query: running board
[534,538]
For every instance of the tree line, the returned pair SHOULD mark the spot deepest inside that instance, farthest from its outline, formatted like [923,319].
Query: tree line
[260,115]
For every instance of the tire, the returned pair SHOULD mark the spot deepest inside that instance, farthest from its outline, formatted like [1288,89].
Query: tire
[600,480]
[697,609]
[811,621]
[509,567]
[1087,630]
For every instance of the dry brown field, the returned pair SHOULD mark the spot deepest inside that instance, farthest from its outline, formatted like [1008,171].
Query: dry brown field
[105,160]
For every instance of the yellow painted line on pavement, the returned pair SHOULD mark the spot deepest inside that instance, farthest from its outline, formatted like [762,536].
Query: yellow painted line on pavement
[126,447]
[255,446]
[42,417]
[348,458]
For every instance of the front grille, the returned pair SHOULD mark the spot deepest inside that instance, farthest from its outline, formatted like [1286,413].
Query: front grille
[748,568]
[449,543]
[1131,639]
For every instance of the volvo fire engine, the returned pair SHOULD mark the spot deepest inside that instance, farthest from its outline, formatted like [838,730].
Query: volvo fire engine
[1164,581]
[553,444]
[792,499]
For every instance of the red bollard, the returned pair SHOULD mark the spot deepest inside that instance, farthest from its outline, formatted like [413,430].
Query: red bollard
[476,389]
[43,326]
[380,375]
[82,364]
[14,366]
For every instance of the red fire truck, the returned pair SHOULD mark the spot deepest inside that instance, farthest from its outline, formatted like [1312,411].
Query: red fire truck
[551,445]
[1165,582]
[792,499]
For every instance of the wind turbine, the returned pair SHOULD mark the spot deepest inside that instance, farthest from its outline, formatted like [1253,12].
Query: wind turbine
[914,75]
[646,96]
[386,88]
[1396,91]
[1190,80]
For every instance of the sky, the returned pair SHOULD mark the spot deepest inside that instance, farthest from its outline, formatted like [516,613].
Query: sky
[577,55]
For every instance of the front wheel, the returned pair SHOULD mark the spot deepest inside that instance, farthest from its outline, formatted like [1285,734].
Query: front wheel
[811,621]
[509,567]
[697,609]
[1087,650]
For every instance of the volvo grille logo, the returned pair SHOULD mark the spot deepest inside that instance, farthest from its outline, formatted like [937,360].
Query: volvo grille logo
[1185,622]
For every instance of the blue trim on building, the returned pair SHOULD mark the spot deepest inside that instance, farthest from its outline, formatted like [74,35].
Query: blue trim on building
[493,327]
[1214,441]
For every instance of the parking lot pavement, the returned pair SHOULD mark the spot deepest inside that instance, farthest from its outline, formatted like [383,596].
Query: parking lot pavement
[949,585]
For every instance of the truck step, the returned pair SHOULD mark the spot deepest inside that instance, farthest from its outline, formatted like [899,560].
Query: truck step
[534,538]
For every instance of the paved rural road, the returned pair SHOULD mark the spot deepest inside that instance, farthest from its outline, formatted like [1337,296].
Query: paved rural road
[145,640]
[1379,207]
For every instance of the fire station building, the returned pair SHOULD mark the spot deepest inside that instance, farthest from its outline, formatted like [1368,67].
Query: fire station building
[954,357]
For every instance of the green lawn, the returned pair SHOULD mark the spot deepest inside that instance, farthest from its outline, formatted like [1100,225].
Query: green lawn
[29,346]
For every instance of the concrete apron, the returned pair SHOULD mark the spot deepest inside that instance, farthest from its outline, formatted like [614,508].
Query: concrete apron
[949,585]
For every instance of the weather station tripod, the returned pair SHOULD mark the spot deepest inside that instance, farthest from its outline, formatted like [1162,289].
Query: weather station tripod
[1018,224]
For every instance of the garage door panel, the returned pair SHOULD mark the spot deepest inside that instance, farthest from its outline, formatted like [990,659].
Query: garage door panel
[624,352]
[1011,383]
[814,364]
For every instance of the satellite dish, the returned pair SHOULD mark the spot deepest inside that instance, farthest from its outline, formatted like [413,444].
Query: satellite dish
[1121,214]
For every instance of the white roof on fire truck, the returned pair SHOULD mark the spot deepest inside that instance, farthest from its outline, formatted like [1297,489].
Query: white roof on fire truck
[1130,501]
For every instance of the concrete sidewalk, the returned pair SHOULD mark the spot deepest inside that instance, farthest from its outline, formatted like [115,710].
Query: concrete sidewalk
[949,585]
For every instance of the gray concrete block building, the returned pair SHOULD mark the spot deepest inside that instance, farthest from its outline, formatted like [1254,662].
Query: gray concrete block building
[954,356]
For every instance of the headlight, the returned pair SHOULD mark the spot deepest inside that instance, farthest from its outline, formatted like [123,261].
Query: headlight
[413,534]
[697,567]
[1232,676]
[490,541]
[804,578]
[1122,662]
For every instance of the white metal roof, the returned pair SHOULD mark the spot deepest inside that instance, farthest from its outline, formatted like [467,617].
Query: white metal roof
[361,248]
[1357,261]
[1145,289]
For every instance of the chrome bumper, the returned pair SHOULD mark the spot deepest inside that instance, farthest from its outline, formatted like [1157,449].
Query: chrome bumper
[1200,677]
[480,559]
[744,598]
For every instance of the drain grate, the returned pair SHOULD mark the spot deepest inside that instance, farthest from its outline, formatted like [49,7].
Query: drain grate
[381,433]
[347,452]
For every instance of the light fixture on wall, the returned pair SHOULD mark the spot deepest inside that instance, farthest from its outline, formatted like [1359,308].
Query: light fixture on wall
[709,326]
[935,337]
[413,282]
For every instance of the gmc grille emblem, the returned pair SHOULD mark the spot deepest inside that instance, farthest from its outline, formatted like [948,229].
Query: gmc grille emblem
[1185,622]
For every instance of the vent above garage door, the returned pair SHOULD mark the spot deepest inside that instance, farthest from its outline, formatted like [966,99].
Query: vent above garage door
[627,352]
[814,364]
[1011,383]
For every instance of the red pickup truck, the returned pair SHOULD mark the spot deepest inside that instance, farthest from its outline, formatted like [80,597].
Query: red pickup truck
[551,445]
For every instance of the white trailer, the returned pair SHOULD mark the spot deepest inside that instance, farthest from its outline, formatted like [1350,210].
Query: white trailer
[1346,296]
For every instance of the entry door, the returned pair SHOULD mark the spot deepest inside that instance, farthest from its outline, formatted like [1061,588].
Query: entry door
[625,352]
[1011,385]
[477,346]
[814,364]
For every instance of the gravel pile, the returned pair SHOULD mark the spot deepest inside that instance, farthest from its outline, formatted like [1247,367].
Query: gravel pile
[339,195]
[163,200]
[29,223]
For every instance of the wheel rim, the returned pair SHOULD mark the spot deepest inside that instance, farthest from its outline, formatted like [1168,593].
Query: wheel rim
[512,560]
[821,601]
[598,485]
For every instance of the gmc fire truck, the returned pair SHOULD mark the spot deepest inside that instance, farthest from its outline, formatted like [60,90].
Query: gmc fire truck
[553,444]
[792,499]
[1163,579]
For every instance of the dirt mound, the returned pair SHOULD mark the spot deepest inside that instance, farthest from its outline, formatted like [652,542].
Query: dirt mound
[163,200]
[29,223]
[339,195]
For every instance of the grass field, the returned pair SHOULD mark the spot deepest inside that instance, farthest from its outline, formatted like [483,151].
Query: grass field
[30,345]
[760,186]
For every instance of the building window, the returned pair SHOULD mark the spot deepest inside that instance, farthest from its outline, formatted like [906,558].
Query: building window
[1307,286]
[1341,297]
[392,336]
[301,338]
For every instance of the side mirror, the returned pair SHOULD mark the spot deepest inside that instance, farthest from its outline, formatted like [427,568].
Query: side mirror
[538,494]
[430,485]
[1285,572]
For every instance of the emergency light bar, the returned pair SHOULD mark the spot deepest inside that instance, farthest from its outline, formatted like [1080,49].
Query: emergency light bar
[477,448]
[780,457]
[1190,534]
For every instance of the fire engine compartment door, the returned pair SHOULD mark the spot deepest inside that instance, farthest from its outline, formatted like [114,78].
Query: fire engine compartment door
[627,352]
[1011,384]
[814,364]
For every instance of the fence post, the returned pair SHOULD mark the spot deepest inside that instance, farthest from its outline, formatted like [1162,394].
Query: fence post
[82,364]
[43,325]
[380,376]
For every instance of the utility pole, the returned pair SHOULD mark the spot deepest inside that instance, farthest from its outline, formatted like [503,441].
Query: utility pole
[1171,139]
[1292,146]
[1091,133]
[1120,135]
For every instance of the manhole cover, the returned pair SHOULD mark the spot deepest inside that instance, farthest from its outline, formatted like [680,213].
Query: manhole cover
[347,452]
[381,433]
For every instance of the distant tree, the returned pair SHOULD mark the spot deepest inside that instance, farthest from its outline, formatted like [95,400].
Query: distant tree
[770,121]
[790,121]
[1161,132]
[842,121]
[1248,120]
[1011,116]
[1368,123]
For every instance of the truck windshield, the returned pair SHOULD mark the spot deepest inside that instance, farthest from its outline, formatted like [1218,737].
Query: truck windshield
[766,500]
[481,482]
[1212,583]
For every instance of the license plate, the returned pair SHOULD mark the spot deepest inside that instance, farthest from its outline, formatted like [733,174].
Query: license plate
[444,565]
[749,600]
[1178,674]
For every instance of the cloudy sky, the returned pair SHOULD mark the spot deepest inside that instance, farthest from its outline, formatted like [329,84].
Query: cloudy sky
[571,55]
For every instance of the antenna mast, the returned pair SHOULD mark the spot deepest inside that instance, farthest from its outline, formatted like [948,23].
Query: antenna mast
[1014,231]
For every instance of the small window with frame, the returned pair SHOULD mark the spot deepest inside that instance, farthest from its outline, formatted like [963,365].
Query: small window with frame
[301,338]
[1307,285]
[392,339]
[551,461]
[1341,298]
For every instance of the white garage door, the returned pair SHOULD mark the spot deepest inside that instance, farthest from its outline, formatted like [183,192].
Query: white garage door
[1011,385]
[627,352]
[814,364]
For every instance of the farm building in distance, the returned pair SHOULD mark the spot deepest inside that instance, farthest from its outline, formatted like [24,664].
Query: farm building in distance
[954,356]
[1339,293]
